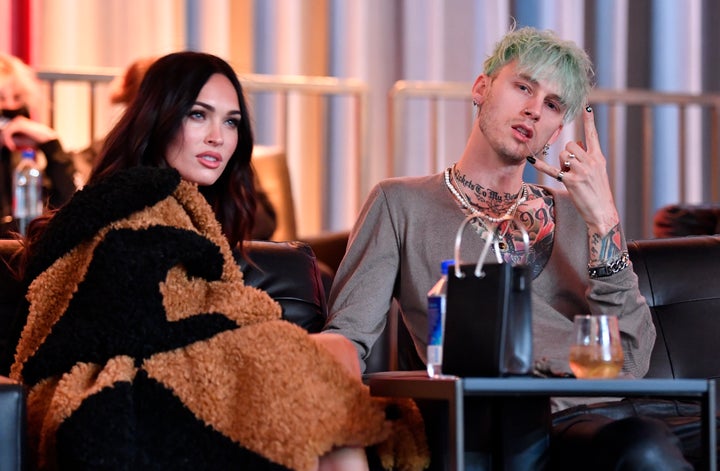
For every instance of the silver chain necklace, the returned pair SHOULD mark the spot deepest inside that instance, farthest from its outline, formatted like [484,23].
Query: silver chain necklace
[453,185]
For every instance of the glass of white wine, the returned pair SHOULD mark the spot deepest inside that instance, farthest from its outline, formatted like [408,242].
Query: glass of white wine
[596,351]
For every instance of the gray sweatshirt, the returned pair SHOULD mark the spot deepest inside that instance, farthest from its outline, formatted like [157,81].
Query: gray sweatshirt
[407,227]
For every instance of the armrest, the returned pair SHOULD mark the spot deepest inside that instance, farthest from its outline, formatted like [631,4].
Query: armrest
[12,425]
[289,273]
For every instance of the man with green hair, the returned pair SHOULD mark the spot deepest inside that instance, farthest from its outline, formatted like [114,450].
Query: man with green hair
[532,85]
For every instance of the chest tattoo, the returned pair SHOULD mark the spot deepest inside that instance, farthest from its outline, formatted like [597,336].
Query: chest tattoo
[538,216]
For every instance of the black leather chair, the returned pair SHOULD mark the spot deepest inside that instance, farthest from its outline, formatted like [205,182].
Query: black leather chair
[12,426]
[287,271]
[680,279]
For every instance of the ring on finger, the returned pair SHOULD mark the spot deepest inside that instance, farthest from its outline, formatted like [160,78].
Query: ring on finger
[560,176]
[567,164]
[571,156]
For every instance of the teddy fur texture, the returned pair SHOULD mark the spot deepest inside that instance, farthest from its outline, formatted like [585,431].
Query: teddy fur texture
[144,349]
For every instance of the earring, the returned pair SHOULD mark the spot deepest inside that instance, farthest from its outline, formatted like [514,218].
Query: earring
[546,150]
[476,108]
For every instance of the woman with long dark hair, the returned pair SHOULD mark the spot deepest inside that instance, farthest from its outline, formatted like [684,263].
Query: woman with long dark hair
[167,95]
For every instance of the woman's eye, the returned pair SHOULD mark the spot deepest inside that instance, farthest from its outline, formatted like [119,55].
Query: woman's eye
[233,122]
[197,114]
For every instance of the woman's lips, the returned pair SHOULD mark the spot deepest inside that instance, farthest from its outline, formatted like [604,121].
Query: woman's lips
[210,160]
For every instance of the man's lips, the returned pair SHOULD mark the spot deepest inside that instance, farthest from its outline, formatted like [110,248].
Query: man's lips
[524,131]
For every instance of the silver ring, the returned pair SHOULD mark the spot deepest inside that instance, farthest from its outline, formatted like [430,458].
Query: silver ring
[572,156]
[567,164]
[560,176]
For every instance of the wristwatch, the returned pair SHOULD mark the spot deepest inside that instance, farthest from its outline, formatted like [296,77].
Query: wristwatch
[615,266]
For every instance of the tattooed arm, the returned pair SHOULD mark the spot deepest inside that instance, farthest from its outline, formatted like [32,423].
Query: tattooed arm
[586,179]
[604,248]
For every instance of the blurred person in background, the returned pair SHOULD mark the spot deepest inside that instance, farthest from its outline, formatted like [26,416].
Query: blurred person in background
[20,93]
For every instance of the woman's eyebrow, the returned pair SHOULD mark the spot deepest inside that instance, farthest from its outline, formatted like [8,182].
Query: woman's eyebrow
[212,108]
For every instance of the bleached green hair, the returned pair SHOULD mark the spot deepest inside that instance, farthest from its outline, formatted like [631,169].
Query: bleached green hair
[544,56]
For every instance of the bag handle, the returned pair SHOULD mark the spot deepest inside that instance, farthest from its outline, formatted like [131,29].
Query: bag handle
[491,237]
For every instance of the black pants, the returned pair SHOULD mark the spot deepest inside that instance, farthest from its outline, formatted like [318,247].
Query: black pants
[629,435]
[632,434]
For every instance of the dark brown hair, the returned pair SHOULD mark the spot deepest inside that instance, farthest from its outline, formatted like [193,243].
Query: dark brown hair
[155,116]
[150,122]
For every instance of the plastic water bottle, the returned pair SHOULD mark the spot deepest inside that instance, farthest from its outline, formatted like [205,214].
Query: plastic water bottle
[436,322]
[27,190]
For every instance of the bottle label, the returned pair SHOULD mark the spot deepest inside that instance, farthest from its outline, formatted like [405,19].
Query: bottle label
[436,320]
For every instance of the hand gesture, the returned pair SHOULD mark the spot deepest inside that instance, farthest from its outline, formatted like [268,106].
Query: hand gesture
[583,171]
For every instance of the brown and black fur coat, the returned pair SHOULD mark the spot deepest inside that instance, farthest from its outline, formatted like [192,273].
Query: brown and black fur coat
[143,349]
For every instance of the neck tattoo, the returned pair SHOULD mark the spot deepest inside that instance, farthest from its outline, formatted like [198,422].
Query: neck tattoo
[452,184]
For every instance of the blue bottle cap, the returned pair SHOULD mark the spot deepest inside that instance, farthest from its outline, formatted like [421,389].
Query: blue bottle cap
[445,264]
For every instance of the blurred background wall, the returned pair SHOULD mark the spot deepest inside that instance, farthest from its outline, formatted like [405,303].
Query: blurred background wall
[665,45]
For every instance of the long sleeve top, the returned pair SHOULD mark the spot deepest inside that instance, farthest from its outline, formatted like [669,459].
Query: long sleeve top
[407,227]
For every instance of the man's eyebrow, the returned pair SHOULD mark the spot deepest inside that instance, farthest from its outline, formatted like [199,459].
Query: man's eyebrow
[552,96]
[526,77]
[212,108]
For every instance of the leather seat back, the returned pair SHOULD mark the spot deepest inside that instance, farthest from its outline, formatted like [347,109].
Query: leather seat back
[289,273]
[680,279]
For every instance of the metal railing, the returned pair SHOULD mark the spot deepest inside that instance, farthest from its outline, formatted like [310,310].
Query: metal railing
[288,85]
[627,128]
[93,77]
[618,114]
[282,87]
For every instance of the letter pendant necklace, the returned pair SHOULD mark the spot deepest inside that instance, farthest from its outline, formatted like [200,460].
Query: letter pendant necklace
[454,187]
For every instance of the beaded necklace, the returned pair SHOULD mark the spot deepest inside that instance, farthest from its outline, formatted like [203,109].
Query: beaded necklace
[453,186]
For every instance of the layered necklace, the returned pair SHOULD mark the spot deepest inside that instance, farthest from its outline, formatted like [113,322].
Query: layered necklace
[454,186]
